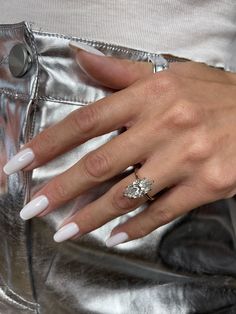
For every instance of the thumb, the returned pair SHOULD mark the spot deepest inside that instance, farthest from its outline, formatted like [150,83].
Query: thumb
[109,71]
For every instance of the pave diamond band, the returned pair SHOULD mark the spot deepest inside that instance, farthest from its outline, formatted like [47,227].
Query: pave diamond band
[139,188]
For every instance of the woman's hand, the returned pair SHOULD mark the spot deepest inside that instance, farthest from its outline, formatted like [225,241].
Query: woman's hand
[181,126]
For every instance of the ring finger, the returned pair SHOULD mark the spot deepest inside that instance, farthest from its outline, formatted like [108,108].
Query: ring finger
[97,166]
[114,204]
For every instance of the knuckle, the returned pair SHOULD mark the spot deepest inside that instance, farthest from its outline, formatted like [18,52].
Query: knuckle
[142,230]
[212,181]
[121,203]
[219,181]
[97,164]
[184,115]
[199,148]
[163,216]
[60,193]
[164,81]
[85,119]
[44,142]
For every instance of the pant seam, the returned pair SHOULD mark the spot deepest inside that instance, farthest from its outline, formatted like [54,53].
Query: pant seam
[26,97]
[95,43]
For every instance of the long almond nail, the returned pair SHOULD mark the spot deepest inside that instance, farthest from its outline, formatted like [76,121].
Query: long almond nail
[35,207]
[19,161]
[66,232]
[82,46]
[117,239]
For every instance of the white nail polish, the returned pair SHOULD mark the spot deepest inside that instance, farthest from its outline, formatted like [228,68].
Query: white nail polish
[85,47]
[66,232]
[117,239]
[35,207]
[19,161]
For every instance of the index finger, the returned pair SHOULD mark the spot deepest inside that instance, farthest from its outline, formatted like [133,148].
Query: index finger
[103,116]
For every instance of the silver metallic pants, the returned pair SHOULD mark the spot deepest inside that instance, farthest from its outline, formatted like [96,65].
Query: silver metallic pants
[187,266]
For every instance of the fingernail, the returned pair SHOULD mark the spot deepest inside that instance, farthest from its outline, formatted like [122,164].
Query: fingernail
[35,207]
[19,161]
[66,232]
[117,239]
[82,46]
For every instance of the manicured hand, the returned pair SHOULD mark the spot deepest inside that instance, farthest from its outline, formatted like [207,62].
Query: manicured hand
[181,127]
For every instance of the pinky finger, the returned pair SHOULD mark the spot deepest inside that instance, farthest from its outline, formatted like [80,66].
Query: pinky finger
[172,204]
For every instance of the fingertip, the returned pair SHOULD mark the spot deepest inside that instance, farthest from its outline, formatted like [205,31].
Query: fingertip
[66,232]
[19,161]
[112,72]
[79,46]
[116,239]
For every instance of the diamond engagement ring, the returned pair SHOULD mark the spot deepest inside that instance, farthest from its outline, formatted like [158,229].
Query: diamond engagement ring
[139,188]
[158,61]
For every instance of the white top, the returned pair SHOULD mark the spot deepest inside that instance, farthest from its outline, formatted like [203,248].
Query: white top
[201,30]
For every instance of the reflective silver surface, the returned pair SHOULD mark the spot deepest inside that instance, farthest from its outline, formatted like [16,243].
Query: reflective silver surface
[19,60]
[187,266]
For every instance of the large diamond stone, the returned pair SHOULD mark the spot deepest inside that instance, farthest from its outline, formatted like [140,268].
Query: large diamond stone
[138,188]
[158,61]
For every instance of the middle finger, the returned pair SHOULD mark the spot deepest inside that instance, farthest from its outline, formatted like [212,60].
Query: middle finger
[95,167]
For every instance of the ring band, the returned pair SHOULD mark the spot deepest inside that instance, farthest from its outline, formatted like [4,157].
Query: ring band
[139,187]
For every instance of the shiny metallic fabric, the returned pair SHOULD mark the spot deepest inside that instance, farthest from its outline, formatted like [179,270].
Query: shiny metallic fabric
[187,266]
